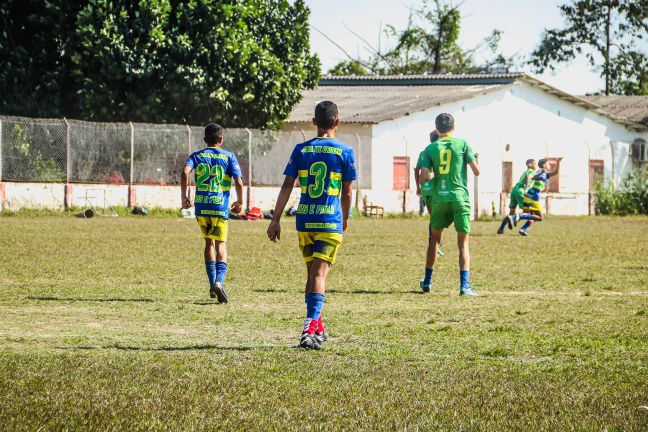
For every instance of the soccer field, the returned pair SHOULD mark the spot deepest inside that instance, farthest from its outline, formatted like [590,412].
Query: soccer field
[107,324]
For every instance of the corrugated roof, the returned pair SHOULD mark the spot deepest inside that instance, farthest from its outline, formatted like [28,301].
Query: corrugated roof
[377,98]
[420,80]
[634,108]
[377,103]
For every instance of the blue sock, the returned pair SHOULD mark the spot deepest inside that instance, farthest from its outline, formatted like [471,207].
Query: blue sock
[526,216]
[464,275]
[314,306]
[210,267]
[503,224]
[428,276]
[526,225]
[221,271]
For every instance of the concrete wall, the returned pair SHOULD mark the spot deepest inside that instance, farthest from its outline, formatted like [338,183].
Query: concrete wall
[533,123]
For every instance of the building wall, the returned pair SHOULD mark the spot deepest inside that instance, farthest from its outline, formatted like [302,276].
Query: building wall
[533,123]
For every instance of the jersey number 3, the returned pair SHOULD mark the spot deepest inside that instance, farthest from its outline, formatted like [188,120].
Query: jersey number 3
[209,179]
[444,162]
[318,170]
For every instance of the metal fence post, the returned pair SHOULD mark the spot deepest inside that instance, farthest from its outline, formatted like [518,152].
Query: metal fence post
[189,150]
[67,150]
[67,201]
[132,196]
[0,151]
[249,191]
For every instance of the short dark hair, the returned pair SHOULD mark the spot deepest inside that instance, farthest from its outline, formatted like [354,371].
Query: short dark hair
[326,113]
[444,123]
[542,163]
[213,133]
[434,135]
[529,161]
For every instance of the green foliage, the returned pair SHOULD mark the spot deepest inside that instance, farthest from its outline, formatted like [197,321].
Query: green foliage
[631,198]
[29,154]
[241,63]
[430,43]
[609,33]
[348,67]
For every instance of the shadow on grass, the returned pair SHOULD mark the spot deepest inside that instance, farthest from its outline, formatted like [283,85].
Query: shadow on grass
[203,347]
[273,290]
[81,299]
[368,292]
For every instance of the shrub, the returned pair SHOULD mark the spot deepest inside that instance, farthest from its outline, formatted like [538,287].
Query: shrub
[630,198]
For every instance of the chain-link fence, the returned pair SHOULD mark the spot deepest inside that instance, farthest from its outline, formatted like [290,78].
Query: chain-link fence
[59,150]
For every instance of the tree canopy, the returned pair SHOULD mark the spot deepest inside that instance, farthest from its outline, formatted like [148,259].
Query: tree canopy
[242,63]
[611,34]
[429,44]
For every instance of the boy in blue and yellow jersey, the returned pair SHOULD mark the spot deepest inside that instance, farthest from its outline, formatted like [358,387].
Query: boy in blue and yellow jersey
[215,170]
[532,209]
[517,195]
[325,168]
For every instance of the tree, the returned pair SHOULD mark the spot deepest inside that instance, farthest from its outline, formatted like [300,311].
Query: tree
[608,33]
[429,44]
[243,63]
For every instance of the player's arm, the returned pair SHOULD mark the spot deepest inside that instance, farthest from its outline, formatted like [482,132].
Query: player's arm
[274,230]
[474,167]
[347,196]
[417,173]
[184,188]
[425,168]
[238,186]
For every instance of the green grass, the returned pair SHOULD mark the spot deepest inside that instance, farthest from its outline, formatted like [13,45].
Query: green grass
[106,324]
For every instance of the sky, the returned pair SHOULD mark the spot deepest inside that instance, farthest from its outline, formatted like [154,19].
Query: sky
[521,21]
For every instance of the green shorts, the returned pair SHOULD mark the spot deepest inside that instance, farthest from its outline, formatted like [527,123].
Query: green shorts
[444,213]
[517,198]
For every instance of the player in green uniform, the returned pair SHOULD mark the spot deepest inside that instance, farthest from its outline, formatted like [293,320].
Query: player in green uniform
[517,195]
[423,191]
[448,158]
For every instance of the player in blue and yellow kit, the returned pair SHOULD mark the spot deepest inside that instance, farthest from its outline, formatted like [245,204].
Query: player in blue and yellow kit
[532,209]
[215,170]
[325,168]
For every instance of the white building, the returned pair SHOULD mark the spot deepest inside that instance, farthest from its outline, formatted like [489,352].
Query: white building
[507,118]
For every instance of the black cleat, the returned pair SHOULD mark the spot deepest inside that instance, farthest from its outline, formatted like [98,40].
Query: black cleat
[218,291]
[321,337]
[309,341]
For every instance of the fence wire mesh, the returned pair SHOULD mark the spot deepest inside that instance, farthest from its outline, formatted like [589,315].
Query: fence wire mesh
[58,150]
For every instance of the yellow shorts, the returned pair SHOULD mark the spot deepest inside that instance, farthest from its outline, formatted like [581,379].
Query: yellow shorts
[213,228]
[322,245]
[532,204]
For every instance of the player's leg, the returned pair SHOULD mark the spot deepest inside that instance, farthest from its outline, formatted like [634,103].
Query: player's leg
[210,262]
[536,215]
[510,219]
[209,253]
[463,225]
[428,204]
[217,233]
[440,218]
[532,213]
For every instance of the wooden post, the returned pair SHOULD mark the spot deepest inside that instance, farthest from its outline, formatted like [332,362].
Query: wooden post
[359,158]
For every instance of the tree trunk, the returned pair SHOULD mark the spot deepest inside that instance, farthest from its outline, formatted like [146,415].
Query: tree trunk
[607,49]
